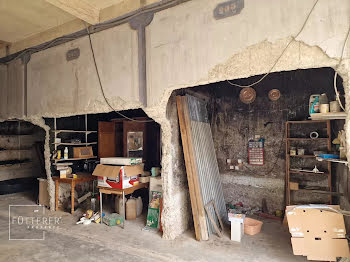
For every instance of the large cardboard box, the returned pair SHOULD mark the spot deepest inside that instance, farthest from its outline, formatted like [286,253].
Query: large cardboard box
[120,177]
[318,232]
[121,161]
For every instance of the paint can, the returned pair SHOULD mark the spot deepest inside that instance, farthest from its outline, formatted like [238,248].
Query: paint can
[293,151]
[334,106]
[324,108]
[155,171]
[301,151]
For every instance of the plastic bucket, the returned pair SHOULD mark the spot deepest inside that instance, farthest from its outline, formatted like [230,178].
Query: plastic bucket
[252,226]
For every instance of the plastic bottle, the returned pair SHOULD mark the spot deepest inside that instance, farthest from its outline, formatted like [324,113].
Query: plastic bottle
[323,99]
[139,206]
[66,153]
[315,108]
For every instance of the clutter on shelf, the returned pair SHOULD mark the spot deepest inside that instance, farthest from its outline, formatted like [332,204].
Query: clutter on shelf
[320,109]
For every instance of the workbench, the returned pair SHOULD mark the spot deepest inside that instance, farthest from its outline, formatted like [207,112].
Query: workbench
[120,192]
[81,178]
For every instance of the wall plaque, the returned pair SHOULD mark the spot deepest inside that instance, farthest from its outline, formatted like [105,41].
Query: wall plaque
[73,54]
[229,8]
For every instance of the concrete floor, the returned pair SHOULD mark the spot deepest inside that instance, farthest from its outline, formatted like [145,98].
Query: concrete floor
[96,242]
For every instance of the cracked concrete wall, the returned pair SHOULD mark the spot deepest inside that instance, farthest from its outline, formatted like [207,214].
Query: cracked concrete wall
[186,47]
[195,49]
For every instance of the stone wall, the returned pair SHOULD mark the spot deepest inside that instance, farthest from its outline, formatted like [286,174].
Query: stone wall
[235,123]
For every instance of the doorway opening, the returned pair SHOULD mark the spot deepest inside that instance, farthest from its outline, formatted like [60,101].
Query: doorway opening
[254,182]
[111,151]
[21,158]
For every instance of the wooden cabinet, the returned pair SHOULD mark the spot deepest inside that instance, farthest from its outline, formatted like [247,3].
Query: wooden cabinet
[106,139]
[128,138]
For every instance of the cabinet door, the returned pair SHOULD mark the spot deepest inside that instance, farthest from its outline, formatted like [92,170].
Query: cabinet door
[106,139]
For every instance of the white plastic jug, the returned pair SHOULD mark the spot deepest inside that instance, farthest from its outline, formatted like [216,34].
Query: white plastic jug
[139,206]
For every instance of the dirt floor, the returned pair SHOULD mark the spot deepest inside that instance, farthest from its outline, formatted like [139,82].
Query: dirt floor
[95,242]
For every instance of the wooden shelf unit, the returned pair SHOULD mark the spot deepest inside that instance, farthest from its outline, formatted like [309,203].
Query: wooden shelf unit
[82,144]
[76,144]
[74,159]
[73,131]
[328,173]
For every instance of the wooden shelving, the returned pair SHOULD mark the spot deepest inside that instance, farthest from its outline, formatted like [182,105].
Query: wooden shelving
[74,159]
[328,174]
[332,160]
[303,156]
[306,138]
[307,173]
[86,132]
[307,121]
[75,144]
[315,191]
[74,131]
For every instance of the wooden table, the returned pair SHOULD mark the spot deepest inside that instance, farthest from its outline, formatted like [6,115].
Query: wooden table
[120,192]
[82,177]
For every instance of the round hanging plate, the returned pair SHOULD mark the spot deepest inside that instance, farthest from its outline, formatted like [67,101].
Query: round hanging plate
[274,94]
[247,95]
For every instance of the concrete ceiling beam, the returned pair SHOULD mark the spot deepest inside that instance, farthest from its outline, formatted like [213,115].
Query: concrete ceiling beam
[117,9]
[80,9]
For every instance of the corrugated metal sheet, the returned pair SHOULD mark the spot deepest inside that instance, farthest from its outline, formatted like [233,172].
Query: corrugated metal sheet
[207,166]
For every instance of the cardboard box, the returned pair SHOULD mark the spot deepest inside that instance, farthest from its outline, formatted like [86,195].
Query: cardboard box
[81,152]
[121,161]
[120,177]
[44,198]
[293,186]
[318,232]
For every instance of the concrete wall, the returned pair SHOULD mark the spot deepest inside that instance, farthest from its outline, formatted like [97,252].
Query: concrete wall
[3,91]
[193,48]
[186,47]
[66,87]
[12,91]
[176,198]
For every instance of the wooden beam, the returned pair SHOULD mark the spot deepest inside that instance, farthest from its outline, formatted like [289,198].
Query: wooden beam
[81,9]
